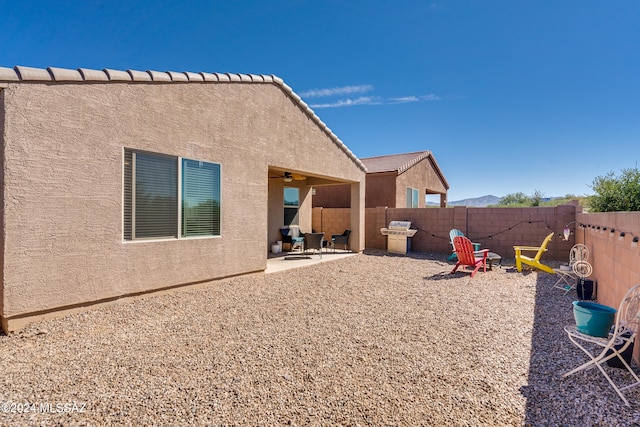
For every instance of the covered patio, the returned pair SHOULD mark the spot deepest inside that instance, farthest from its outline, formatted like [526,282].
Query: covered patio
[369,339]
[300,185]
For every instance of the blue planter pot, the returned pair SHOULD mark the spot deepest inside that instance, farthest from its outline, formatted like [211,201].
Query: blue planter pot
[593,318]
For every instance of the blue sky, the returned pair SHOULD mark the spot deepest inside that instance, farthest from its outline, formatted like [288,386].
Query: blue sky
[508,95]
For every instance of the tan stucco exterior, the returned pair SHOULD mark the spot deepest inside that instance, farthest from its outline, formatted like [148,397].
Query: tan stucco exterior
[387,186]
[62,184]
[382,189]
[422,176]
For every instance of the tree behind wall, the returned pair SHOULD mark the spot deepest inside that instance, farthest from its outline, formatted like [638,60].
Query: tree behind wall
[521,200]
[616,194]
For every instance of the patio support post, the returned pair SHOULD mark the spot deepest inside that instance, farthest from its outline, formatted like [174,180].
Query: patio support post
[357,216]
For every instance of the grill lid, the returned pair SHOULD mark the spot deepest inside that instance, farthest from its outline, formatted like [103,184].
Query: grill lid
[398,228]
[399,225]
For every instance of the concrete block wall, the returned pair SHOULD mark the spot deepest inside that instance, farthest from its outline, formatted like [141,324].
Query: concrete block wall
[615,258]
[497,229]
[375,219]
[331,220]
[500,228]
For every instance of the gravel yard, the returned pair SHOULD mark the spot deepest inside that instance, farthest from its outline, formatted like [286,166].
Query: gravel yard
[372,339]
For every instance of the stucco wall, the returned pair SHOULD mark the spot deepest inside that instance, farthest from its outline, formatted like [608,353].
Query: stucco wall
[422,176]
[381,189]
[388,188]
[332,196]
[1,197]
[64,184]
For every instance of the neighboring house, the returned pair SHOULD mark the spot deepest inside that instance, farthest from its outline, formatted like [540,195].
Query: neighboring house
[394,181]
[118,183]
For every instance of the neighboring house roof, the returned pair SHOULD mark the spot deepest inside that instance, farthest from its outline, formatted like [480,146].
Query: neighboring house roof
[106,75]
[399,163]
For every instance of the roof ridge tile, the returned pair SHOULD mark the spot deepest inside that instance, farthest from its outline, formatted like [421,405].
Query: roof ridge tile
[32,74]
[178,77]
[93,75]
[223,77]
[8,74]
[117,75]
[209,77]
[139,76]
[159,76]
[64,74]
[194,77]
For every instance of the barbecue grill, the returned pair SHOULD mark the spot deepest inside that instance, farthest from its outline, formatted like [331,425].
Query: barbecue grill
[397,234]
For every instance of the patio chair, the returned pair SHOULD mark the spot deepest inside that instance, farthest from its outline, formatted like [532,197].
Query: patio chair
[535,261]
[340,239]
[578,267]
[453,233]
[579,252]
[313,241]
[620,338]
[467,256]
[292,237]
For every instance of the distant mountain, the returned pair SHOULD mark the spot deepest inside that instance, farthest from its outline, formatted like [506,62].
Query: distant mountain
[477,202]
[484,201]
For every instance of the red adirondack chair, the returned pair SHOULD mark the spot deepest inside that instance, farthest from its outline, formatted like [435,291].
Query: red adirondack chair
[467,256]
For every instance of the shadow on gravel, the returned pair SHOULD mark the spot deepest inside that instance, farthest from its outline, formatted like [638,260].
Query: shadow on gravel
[582,399]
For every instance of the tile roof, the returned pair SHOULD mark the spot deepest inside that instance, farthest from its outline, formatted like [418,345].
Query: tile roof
[28,74]
[399,163]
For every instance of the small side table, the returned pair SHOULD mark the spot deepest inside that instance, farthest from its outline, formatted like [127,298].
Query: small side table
[567,280]
[494,257]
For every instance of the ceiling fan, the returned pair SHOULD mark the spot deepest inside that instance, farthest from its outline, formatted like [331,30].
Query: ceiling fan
[288,177]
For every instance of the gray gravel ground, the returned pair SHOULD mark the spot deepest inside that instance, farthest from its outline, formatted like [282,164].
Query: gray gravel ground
[372,339]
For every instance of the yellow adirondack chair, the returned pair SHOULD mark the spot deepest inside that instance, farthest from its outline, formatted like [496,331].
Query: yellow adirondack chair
[535,261]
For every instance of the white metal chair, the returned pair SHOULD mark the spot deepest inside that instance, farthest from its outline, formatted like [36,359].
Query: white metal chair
[578,267]
[621,337]
[579,252]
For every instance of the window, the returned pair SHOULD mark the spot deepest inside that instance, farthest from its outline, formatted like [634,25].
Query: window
[153,184]
[200,198]
[412,197]
[291,206]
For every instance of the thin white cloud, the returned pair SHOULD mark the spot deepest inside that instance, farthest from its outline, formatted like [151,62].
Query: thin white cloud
[404,99]
[336,91]
[363,100]
[413,98]
[371,100]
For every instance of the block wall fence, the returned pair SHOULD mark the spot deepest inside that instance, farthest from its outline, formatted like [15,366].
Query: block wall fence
[495,228]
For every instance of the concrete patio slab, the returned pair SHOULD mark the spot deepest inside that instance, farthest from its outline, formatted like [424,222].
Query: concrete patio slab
[286,261]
